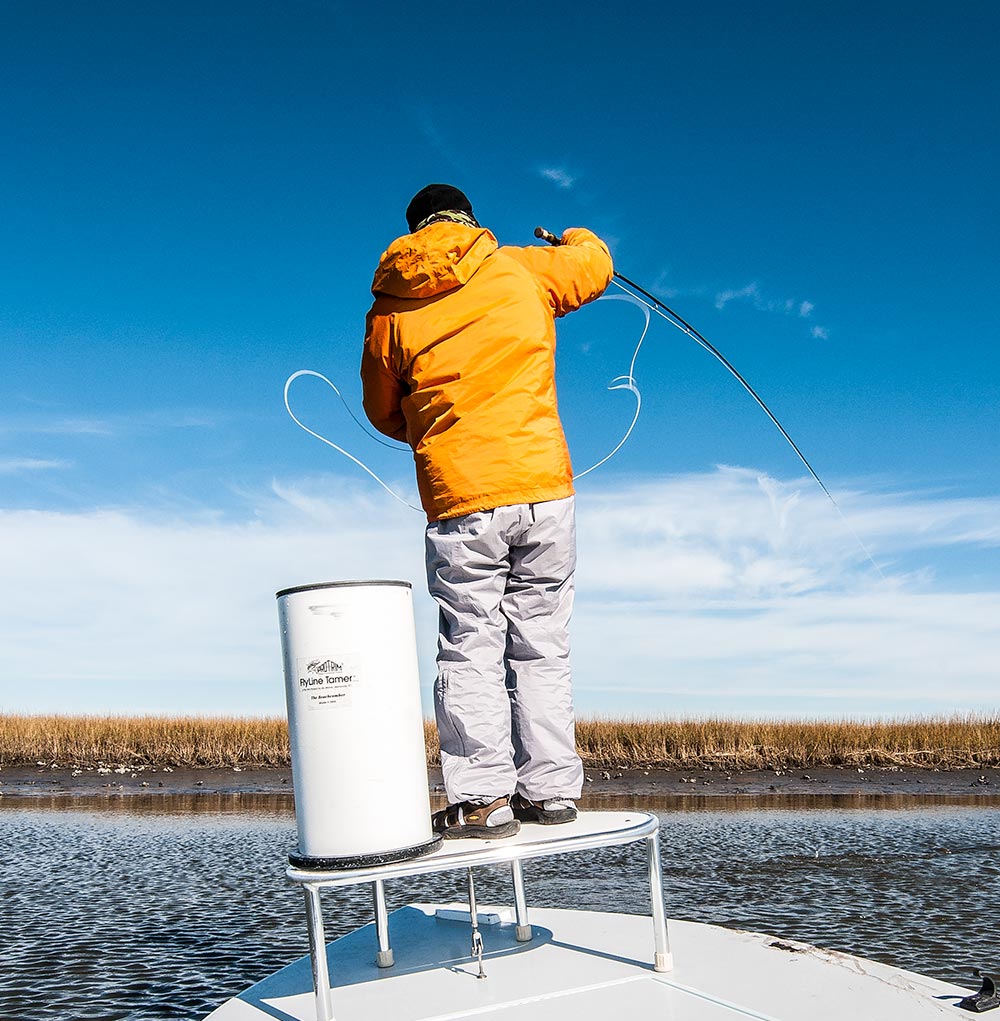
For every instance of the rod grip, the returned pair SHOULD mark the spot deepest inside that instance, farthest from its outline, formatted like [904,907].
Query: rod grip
[547,236]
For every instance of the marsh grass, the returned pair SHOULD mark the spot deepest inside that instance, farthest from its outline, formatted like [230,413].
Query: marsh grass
[941,743]
[143,741]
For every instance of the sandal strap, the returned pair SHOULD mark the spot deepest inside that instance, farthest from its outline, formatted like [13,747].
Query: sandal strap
[447,818]
[465,813]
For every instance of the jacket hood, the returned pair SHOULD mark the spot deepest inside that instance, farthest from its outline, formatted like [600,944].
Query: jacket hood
[437,259]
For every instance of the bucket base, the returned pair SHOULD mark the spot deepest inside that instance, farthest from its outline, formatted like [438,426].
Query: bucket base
[361,861]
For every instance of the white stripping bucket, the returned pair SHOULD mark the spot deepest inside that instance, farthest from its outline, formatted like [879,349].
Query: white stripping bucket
[355,724]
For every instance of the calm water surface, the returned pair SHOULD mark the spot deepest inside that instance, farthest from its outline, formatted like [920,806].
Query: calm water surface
[164,907]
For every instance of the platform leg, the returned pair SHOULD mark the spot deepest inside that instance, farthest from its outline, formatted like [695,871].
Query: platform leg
[317,952]
[662,959]
[384,957]
[523,931]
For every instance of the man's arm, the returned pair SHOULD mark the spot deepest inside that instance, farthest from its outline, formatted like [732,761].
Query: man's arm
[383,389]
[573,273]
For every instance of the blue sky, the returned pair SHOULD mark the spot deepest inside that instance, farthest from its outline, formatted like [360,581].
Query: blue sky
[194,197]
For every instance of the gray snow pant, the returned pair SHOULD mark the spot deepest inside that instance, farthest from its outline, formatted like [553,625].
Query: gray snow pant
[503,580]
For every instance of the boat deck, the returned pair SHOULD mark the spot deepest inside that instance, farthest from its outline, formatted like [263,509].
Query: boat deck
[417,964]
[584,966]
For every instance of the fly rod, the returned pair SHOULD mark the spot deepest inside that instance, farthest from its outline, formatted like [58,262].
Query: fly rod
[655,305]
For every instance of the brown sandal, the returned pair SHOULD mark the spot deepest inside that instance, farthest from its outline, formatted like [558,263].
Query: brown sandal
[467,819]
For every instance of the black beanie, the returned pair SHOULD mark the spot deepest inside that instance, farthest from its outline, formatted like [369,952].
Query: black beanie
[434,199]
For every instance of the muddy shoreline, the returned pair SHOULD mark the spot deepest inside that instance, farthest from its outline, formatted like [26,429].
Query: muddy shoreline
[55,782]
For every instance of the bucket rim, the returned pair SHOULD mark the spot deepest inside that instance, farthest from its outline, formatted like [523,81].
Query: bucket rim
[339,584]
[311,863]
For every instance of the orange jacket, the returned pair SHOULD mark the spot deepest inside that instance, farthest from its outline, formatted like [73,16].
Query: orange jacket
[459,361]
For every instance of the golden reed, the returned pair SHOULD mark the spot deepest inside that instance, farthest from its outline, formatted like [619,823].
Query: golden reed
[954,742]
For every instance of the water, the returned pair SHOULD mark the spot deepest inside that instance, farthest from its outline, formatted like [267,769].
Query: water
[157,908]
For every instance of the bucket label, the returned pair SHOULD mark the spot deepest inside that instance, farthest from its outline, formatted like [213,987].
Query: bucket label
[325,682]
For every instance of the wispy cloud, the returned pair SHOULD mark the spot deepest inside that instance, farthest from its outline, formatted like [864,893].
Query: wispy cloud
[723,298]
[56,426]
[797,307]
[728,589]
[179,613]
[662,285]
[109,425]
[732,591]
[559,176]
[428,125]
[744,534]
[13,465]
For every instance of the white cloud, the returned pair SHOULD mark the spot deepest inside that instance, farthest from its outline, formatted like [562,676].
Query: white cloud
[723,298]
[662,286]
[560,177]
[762,303]
[111,425]
[734,592]
[121,610]
[725,591]
[56,426]
[452,151]
[12,465]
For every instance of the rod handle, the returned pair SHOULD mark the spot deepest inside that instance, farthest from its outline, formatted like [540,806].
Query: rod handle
[547,236]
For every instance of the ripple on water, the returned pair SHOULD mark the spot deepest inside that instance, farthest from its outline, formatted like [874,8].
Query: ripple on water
[159,913]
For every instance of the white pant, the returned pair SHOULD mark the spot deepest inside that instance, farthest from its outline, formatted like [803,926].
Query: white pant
[503,579]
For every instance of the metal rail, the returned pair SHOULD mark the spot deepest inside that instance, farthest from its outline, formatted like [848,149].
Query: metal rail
[592,830]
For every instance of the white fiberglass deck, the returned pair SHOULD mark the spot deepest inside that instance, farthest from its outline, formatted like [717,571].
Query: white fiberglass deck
[585,966]
[567,965]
